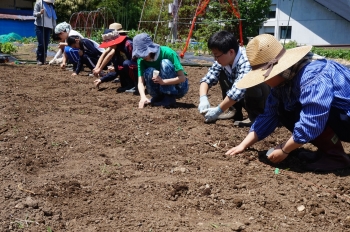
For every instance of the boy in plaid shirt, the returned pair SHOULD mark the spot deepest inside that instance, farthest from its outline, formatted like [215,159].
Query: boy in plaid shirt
[231,64]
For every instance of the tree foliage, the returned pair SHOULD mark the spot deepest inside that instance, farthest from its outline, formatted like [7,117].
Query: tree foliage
[155,17]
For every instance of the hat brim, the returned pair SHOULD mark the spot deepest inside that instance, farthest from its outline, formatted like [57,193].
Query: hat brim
[122,31]
[154,48]
[290,57]
[113,42]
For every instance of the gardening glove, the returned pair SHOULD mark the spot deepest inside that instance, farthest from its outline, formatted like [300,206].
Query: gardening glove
[213,114]
[204,104]
[53,61]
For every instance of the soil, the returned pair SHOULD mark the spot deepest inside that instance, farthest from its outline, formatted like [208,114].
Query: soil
[74,158]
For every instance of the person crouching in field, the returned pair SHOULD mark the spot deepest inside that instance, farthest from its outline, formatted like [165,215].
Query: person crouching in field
[120,54]
[62,31]
[309,96]
[88,53]
[231,64]
[160,70]
[105,59]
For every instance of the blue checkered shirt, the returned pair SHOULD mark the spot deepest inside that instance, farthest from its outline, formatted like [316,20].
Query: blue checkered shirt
[240,67]
[317,87]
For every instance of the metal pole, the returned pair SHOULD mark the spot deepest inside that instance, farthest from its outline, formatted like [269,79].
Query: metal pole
[175,15]
[42,17]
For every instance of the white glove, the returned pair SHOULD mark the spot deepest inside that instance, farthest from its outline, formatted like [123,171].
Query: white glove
[212,114]
[53,61]
[204,104]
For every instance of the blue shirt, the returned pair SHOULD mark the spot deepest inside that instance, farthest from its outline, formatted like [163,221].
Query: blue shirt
[239,68]
[317,87]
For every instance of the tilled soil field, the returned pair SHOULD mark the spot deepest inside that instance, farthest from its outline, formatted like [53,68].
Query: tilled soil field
[74,158]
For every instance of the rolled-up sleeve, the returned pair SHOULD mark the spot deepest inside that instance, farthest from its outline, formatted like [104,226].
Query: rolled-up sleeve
[267,122]
[242,68]
[212,76]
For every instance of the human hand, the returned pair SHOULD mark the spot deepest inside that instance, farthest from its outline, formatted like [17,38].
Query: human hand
[96,71]
[52,61]
[143,102]
[158,80]
[97,83]
[235,150]
[110,68]
[61,45]
[277,155]
[204,104]
[42,11]
[212,114]
[63,65]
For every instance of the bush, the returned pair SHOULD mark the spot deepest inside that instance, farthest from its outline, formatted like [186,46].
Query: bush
[8,48]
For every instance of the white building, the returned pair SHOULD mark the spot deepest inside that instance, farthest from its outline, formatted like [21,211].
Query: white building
[311,22]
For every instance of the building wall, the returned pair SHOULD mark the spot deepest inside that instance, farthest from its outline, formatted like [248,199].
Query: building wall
[17,4]
[312,23]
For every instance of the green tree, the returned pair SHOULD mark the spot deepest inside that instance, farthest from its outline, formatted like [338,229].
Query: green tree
[219,16]
[254,13]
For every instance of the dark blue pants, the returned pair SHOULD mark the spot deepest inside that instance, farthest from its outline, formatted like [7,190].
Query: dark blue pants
[167,71]
[43,37]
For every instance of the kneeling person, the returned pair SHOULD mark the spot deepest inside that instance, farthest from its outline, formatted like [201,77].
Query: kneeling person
[231,64]
[166,85]
[88,53]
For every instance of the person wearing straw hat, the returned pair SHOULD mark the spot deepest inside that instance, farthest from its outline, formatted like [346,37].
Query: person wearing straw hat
[120,54]
[160,70]
[231,64]
[129,68]
[309,96]
[118,27]
[45,21]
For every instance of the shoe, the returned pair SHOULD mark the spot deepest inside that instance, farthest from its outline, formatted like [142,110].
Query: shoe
[156,100]
[243,123]
[227,114]
[39,63]
[124,89]
[331,154]
[329,161]
[116,80]
[168,101]
[132,90]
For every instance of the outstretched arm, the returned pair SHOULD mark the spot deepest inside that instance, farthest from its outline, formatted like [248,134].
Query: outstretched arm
[249,140]
[141,87]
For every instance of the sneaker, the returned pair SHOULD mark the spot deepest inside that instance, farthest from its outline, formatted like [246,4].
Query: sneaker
[156,100]
[227,114]
[168,101]
[116,80]
[123,89]
[132,90]
[243,123]
[39,63]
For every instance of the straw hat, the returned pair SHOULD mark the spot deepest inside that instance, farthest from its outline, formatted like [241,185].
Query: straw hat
[268,58]
[111,37]
[49,1]
[118,27]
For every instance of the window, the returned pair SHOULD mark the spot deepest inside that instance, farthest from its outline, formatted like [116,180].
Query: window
[269,30]
[286,32]
[272,13]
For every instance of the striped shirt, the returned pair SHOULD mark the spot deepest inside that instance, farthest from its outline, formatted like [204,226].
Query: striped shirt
[234,73]
[317,87]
